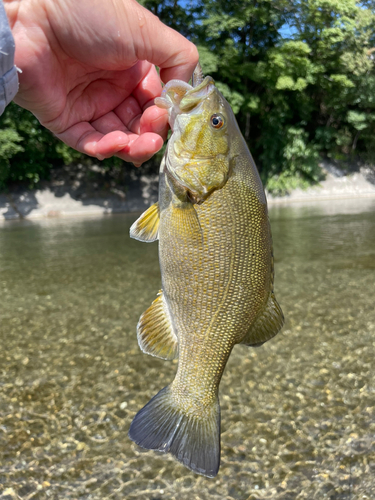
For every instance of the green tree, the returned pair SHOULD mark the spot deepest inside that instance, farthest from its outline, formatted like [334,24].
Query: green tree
[313,85]
[28,151]
[299,74]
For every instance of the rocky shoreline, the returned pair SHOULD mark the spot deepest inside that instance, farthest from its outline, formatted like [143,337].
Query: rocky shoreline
[89,191]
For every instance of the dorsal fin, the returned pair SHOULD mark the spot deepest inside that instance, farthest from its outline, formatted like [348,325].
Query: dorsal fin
[198,76]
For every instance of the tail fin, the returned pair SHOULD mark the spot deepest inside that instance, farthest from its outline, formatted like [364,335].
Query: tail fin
[192,439]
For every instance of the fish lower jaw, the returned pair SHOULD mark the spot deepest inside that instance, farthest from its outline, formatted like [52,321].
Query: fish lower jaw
[185,156]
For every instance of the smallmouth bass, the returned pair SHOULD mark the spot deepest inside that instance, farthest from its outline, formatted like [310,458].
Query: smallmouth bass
[216,261]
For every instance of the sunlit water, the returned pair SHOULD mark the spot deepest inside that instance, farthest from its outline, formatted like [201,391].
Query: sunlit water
[298,414]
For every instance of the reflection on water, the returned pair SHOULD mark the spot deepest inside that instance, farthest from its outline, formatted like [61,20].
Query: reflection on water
[298,414]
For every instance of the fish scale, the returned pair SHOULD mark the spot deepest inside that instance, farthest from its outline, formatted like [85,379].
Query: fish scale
[216,261]
[233,280]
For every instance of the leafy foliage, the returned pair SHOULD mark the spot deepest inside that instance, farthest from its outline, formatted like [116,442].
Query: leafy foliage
[305,71]
[299,74]
[28,151]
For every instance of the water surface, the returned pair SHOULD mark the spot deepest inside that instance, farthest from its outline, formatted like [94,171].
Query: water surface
[298,414]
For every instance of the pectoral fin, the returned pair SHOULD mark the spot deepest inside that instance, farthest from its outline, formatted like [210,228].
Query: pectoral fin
[146,228]
[266,325]
[155,331]
[182,221]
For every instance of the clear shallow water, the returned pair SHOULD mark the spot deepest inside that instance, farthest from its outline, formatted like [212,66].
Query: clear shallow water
[298,414]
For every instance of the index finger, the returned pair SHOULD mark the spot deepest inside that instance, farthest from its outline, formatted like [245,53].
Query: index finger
[148,88]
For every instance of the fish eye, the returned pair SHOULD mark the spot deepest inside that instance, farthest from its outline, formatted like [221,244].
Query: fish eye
[217,121]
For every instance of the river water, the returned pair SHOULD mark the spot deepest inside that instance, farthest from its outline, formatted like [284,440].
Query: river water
[298,414]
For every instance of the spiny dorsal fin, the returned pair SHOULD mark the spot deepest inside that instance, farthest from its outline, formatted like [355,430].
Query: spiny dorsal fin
[155,331]
[198,76]
[266,325]
[146,228]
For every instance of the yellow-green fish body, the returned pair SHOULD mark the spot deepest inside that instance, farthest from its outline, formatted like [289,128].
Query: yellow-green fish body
[216,262]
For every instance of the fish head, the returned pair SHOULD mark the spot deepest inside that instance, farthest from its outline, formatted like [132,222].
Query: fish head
[200,149]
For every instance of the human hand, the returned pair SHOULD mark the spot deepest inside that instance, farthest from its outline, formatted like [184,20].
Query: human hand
[88,72]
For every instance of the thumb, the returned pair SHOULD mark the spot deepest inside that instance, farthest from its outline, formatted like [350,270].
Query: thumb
[114,35]
[163,46]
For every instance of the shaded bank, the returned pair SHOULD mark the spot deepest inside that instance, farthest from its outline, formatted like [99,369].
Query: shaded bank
[87,191]
[82,190]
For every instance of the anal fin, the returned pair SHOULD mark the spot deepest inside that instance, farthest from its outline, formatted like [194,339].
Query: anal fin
[155,332]
[146,227]
[266,325]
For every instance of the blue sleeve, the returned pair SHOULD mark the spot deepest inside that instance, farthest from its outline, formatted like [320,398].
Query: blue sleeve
[8,71]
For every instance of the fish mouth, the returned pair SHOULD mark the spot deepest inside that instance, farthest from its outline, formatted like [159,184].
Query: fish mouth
[179,96]
[197,94]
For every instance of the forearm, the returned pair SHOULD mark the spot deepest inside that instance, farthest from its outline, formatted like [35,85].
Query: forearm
[8,71]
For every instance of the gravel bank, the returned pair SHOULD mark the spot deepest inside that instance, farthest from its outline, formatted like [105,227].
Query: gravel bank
[298,414]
